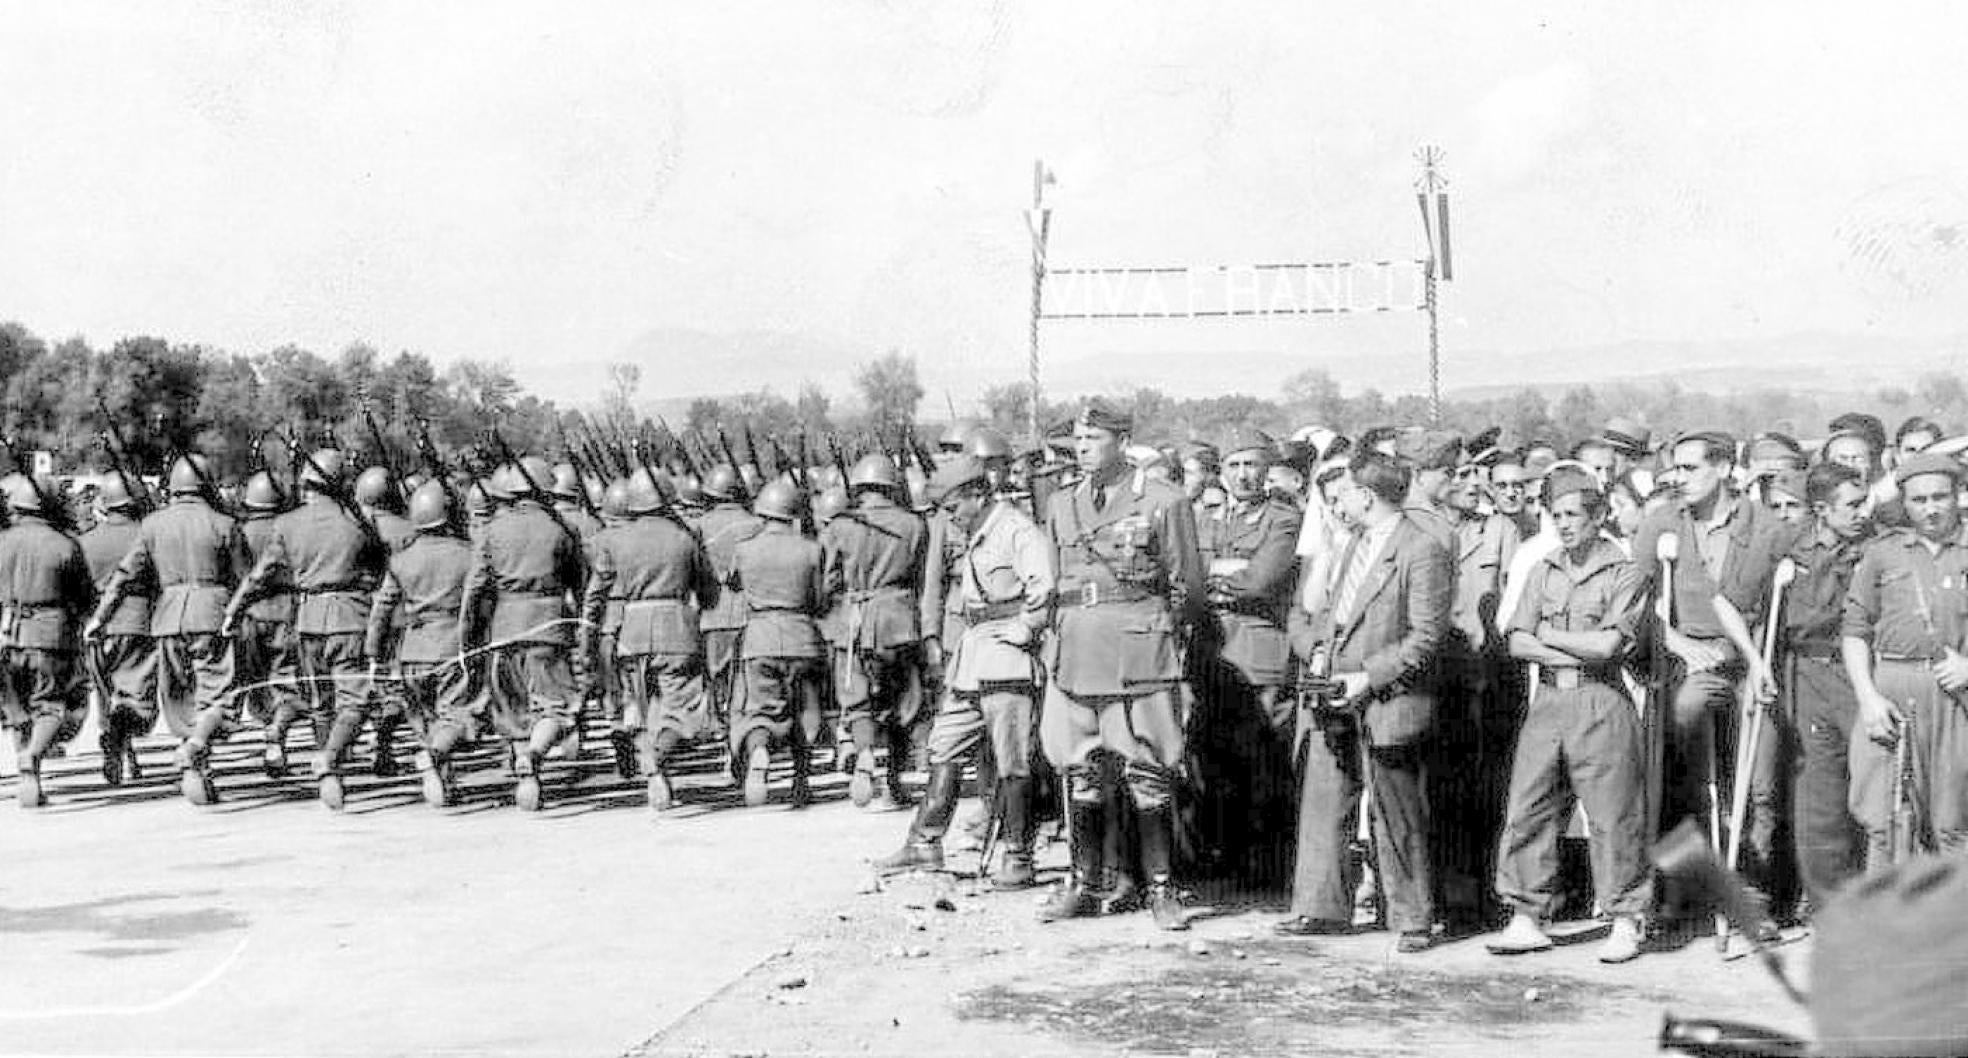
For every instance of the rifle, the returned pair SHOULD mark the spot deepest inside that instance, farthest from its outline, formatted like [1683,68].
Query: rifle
[545,498]
[724,443]
[1902,825]
[119,450]
[383,456]
[434,465]
[840,461]
[924,461]
[329,487]
[805,462]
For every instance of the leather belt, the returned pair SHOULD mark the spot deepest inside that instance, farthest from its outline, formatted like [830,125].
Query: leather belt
[1570,678]
[1088,593]
[978,613]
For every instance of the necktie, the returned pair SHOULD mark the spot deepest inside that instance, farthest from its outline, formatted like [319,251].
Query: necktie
[1357,563]
[1099,498]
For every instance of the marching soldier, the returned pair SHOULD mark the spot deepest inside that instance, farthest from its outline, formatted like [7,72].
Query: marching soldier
[45,589]
[1004,595]
[268,656]
[527,567]
[1130,580]
[783,576]
[875,555]
[1904,634]
[1577,619]
[415,621]
[376,493]
[1243,738]
[1830,843]
[122,663]
[621,727]
[653,567]
[725,525]
[332,560]
[196,556]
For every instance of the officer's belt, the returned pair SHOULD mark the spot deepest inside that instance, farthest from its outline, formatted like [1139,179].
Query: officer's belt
[1076,592]
[979,613]
[1572,677]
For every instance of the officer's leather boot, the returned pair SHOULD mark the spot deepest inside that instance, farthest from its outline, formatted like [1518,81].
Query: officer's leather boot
[1157,840]
[1074,898]
[1015,866]
[895,794]
[328,769]
[923,850]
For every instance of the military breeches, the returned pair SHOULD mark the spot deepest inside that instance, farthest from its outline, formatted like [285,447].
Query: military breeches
[666,693]
[269,673]
[1829,841]
[880,686]
[334,677]
[999,712]
[127,667]
[1577,746]
[1338,767]
[608,679]
[723,672]
[1143,731]
[196,673]
[1937,725]
[779,692]
[436,694]
[531,682]
[44,685]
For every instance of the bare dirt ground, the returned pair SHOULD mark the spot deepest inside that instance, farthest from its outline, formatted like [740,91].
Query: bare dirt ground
[135,924]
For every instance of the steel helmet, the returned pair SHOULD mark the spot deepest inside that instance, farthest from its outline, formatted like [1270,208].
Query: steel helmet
[596,489]
[830,503]
[875,471]
[328,461]
[188,474]
[566,482]
[723,483]
[21,494]
[374,488]
[534,473]
[114,494]
[648,492]
[987,444]
[615,498]
[689,493]
[262,492]
[779,500]
[478,499]
[957,437]
[430,506]
[413,481]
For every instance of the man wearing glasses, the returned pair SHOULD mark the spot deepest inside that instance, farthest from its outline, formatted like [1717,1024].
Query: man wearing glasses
[1510,493]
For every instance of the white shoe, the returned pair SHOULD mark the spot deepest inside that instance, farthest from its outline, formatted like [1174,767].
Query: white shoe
[1623,944]
[1521,937]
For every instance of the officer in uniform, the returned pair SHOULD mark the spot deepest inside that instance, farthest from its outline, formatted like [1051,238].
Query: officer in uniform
[653,567]
[1242,738]
[268,656]
[45,589]
[874,563]
[195,556]
[1004,595]
[376,493]
[414,621]
[725,525]
[1130,583]
[332,560]
[783,576]
[527,566]
[123,662]
[1906,619]
[1577,619]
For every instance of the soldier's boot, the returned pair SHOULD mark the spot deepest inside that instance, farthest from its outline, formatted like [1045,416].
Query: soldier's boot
[758,762]
[193,758]
[342,734]
[40,739]
[527,791]
[1157,857]
[861,782]
[655,753]
[978,826]
[1119,893]
[273,756]
[1015,866]
[923,848]
[114,742]
[386,766]
[627,764]
[801,794]
[895,795]
[1075,898]
[435,765]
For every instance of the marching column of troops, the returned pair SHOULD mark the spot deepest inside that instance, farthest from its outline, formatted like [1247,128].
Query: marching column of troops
[1396,670]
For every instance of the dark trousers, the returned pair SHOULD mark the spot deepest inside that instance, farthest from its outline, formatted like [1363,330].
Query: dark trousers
[1830,843]
[127,666]
[1338,768]
[195,673]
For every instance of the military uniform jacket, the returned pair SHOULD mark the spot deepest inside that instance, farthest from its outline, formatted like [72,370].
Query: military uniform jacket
[275,604]
[1249,554]
[783,576]
[196,555]
[874,556]
[723,528]
[395,530]
[103,546]
[656,571]
[1129,576]
[528,567]
[426,586]
[1005,575]
[331,563]
[1756,541]
[45,586]
[1814,604]
[941,614]
[585,526]
[1484,547]
[1600,594]
[1906,602]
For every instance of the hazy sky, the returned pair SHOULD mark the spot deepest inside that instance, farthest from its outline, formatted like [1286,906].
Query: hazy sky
[567,184]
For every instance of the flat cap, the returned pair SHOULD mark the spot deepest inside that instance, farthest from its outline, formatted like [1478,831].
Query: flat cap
[1717,439]
[1627,436]
[1922,463]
